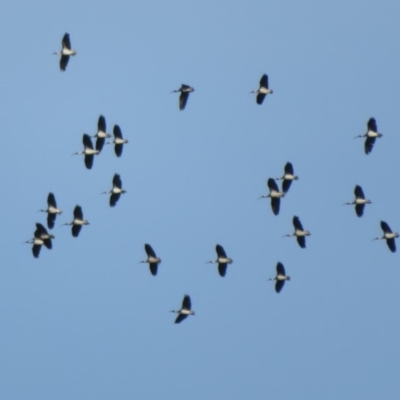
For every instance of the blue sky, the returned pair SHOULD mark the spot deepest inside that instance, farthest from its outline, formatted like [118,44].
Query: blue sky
[86,320]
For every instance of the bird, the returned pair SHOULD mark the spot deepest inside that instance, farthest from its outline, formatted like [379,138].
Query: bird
[389,236]
[152,259]
[88,151]
[371,135]
[263,89]
[65,52]
[101,133]
[280,277]
[360,201]
[275,195]
[51,211]
[118,141]
[222,260]
[299,232]
[40,237]
[183,98]
[287,177]
[185,310]
[77,222]
[116,190]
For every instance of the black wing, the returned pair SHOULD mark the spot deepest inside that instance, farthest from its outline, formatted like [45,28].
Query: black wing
[114,199]
[272,185]
[369,144]
[36,250]
[99,144]
[66,41]
[51,200]
[301,240]
[385,227]
[222,269]
[289,168]
[40,231]
[180,318]
[260,98]
[372,125]
[186,303]
[286,185]
[359,210]
[297,224]
[87,142]
[149,251]
[64,62]
[48,243]
[118,150]
[279,286]
[391,244]
[183,98]
[280,269]
[275,205]
[101,124]
[358,192]
[89,161]
[117,181]
[75,230]
[153,268]
[117,132]
[220,251]
[51,219]
[264,81]
[78,214]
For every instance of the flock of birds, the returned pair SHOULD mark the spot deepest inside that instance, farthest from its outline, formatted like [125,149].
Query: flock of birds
[42,237]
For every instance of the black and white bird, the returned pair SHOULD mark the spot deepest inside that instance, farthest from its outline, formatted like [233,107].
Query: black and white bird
[40,237]
[288,177]
[101,134]
[299,232]
[185,310]
[88,151]
[389,236]
[118,141]
[116,190]
[65,52]
[222,260]
[51,211]
[280,277]
[360,201]
[152,259]
[183,98]
[77,222]
[263,89]
[275,195]
[370,136]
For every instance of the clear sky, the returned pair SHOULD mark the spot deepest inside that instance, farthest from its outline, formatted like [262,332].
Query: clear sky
[86,320]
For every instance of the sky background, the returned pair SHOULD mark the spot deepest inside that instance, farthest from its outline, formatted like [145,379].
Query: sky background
[85,320]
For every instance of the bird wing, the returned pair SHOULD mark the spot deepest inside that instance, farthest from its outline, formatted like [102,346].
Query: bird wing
[371,124]
[64,62]
[297,224]
[222,268]
[48,243]
[358,192]
[66,41]
[117,132]
[153,268]
[391,244]
[99,144]
[186,303]
[36,250]
[114,199]
[149,251]
[101,124]
[260,98]
[180,318]
[272,185]
[78,212]
[40,230]
[279,286]
[118,150]
[264,81]
[87,142]
[280,269]
[385,227]
[51,200]
[51,219]
[359,210]
[75,230]
[286,185]
[275,205]
[289,168]
[220,251]
[89,161]
[369,144]
[301,240]
[117,181]
[183,98]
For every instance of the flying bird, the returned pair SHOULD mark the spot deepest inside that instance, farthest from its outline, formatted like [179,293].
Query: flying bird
[77,222]
[275,196]
[299,232]
[371,135]
[101,134]
[263,89]
[118,141]
[280,277]
[40,237]
[88,151]
[360,201]
[185,310]
[65,52]
[389,236]
[51,211]
[116,190]
[222,260]
[288,177]
[183,98]
[152,259]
